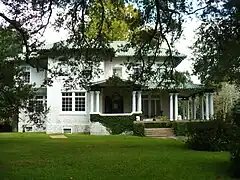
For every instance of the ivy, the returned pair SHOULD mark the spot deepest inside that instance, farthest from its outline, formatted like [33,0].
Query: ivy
[115,124]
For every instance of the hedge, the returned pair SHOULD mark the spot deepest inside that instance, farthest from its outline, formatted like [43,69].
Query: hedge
[214,135]
[235,143]
[138,129]
[115,124]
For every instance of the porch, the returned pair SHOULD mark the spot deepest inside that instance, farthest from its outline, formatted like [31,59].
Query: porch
[188,103]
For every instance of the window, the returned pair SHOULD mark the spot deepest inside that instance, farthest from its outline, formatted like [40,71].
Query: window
[80,101]
[74,101]
[117,71]
[136,70]
[26,74]
[66,101]
[37,104]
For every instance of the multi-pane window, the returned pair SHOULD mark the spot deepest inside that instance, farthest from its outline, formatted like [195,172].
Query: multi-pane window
[26,74]
[74,101]
[117,71]
[67,101]
[79,101]
[37,104]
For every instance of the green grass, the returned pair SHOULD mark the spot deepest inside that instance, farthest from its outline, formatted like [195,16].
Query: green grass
[36,156]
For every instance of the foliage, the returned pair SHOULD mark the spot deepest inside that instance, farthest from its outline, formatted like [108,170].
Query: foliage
[180,128]
[91,25]
[216,50]
[166,124]
[235,142]
[14,92]
[119,18]
[212,135]
[36,156]
[116,124]
[138,129]
[225,99]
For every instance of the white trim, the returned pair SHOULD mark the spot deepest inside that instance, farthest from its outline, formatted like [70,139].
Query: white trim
[64,113]
[73,112]
[117,114]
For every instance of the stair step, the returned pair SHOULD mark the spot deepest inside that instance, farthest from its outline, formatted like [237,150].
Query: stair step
[158,132]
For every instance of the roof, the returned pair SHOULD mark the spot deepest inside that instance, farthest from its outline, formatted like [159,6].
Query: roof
[121,50]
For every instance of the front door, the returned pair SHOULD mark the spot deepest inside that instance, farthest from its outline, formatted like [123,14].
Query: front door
[114,103]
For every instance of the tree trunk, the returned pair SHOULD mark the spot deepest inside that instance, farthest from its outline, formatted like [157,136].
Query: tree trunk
[15,123]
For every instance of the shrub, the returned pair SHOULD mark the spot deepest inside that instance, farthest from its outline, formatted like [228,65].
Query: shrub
[166,124]
[235,143]
[212,135]
[116,124]
[138,129]
[180,128]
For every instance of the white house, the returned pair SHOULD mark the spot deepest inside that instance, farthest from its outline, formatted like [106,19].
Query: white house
[69,110]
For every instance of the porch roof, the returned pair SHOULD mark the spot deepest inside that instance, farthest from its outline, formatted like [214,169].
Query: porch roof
[187,90]
[115,81]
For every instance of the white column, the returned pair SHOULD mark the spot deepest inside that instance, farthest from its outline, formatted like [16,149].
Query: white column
[202,107]
[207,105]
[97,101]
[176,106]
[134,101]
[91,101]
[184,110]
[149,106]
[188,110]
[139,109]
[211,108]
[171,107]
[193,108]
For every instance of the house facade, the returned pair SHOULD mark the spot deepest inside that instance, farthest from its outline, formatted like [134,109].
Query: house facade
[70,110]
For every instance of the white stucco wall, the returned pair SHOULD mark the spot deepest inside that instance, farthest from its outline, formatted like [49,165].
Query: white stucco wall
[36,77]
[80,121]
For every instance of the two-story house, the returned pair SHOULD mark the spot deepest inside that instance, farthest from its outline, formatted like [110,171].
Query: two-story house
[69,110]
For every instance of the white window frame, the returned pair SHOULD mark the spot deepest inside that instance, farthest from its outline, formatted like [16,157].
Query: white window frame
[27,69]
[73,103]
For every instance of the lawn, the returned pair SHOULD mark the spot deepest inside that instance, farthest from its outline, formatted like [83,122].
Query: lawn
[36,156]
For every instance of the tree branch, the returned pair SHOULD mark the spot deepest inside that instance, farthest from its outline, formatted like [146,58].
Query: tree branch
[21,31]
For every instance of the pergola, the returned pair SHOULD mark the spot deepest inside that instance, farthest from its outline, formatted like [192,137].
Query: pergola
[188,95]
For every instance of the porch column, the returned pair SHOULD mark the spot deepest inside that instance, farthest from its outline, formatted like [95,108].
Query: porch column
[91,101]
[171,107]
[149,106]
[139,109]
[188,109]
[211,108]
[97,101]
[184,110]
[134,101]
[176,106]
[207,105]
[193,108]
[202,107]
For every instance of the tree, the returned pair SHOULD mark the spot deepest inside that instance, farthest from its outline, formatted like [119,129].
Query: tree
[119,19]
[225,100]
[14,93]
[216,50]
[160,21]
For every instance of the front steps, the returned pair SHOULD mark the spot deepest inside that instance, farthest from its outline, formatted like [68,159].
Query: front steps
[158,132]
